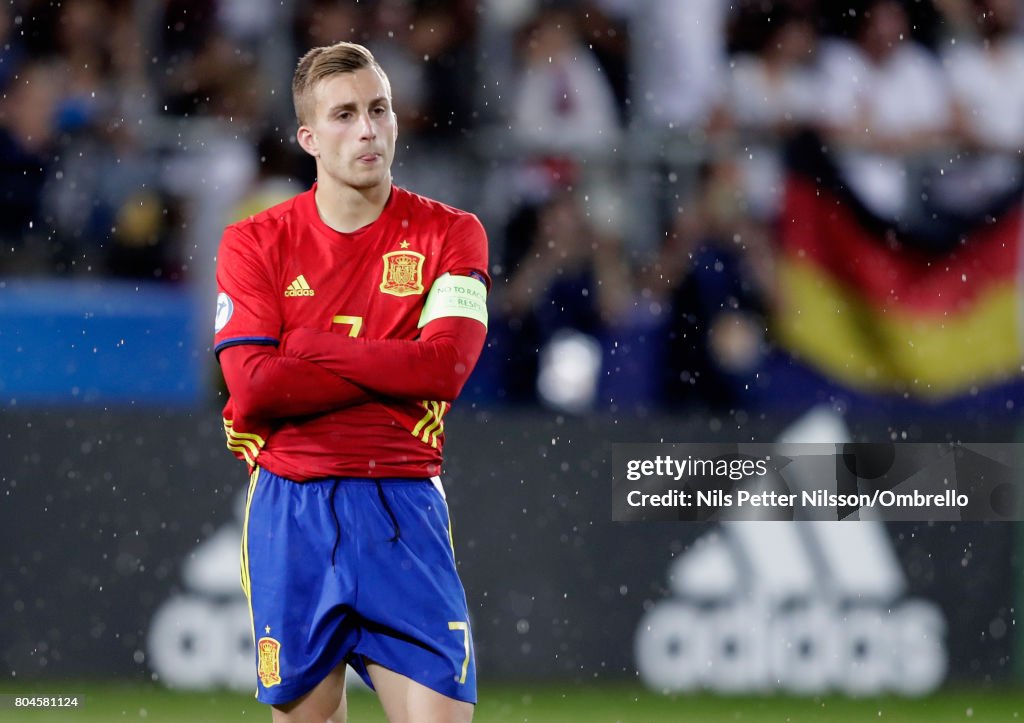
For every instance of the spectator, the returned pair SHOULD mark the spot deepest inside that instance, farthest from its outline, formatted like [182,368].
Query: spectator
[564,103]
[28,137]
[606,33]
[427,47]
[885,99]
[987,81]
[441,39]
[714,273]
[680,69]
[322,22]
[565,119]
[103,203]
[562,276]
[216,85]
[774,87]
[277,180]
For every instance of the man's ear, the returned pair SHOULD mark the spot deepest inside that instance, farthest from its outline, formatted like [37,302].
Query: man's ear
[307,140]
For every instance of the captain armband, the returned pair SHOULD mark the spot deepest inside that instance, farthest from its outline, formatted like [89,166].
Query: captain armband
[455,296]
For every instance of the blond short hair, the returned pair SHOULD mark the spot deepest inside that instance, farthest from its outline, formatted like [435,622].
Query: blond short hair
[324,62]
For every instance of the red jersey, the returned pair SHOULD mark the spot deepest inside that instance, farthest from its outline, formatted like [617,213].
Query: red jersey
[285,269]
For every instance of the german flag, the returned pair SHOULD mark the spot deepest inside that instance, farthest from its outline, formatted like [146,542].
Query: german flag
[863,304]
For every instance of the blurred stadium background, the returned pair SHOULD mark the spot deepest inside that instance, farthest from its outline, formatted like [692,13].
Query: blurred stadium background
[709,221]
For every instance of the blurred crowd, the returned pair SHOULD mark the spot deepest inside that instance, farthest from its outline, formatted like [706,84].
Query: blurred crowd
[627,156]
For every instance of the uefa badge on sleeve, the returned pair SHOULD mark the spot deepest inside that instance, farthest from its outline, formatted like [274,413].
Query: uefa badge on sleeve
[225,308]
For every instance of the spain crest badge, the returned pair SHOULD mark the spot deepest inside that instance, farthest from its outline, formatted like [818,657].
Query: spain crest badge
[269,669]
[403,273]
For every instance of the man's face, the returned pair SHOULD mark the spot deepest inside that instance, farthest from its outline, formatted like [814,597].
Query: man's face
[353,130]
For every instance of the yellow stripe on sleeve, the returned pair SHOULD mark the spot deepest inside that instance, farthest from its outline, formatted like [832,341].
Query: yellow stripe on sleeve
[229,427]
[431,426]
[429,435]
[426,418]
[249,445]
[244,451]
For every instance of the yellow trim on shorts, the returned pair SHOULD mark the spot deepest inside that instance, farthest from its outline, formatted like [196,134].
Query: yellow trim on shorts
[244,557]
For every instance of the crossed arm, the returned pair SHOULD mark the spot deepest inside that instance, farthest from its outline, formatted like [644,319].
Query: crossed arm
[313,372]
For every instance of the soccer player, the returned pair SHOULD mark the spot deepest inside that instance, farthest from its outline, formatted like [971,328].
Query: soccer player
[348,319]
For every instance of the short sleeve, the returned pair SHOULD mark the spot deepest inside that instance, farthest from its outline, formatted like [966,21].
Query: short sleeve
[247,309]
[465,249]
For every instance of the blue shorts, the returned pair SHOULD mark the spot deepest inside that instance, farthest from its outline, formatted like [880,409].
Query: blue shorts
[353,570]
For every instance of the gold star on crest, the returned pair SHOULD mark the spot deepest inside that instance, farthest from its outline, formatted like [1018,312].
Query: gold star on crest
[404,244]
[267,629]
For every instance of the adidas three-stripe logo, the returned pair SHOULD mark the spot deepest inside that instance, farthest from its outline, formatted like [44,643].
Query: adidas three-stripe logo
[299,287]
[805,607]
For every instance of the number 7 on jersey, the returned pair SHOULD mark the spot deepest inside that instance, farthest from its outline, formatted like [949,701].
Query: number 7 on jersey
[355,323]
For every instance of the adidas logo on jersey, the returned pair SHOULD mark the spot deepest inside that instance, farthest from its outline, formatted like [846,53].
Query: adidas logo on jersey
[299,287]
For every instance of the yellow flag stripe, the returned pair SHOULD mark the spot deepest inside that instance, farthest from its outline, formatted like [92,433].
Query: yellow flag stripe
[873,348]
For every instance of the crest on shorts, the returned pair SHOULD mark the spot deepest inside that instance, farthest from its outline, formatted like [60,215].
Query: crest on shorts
[403,273]
[269,669]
